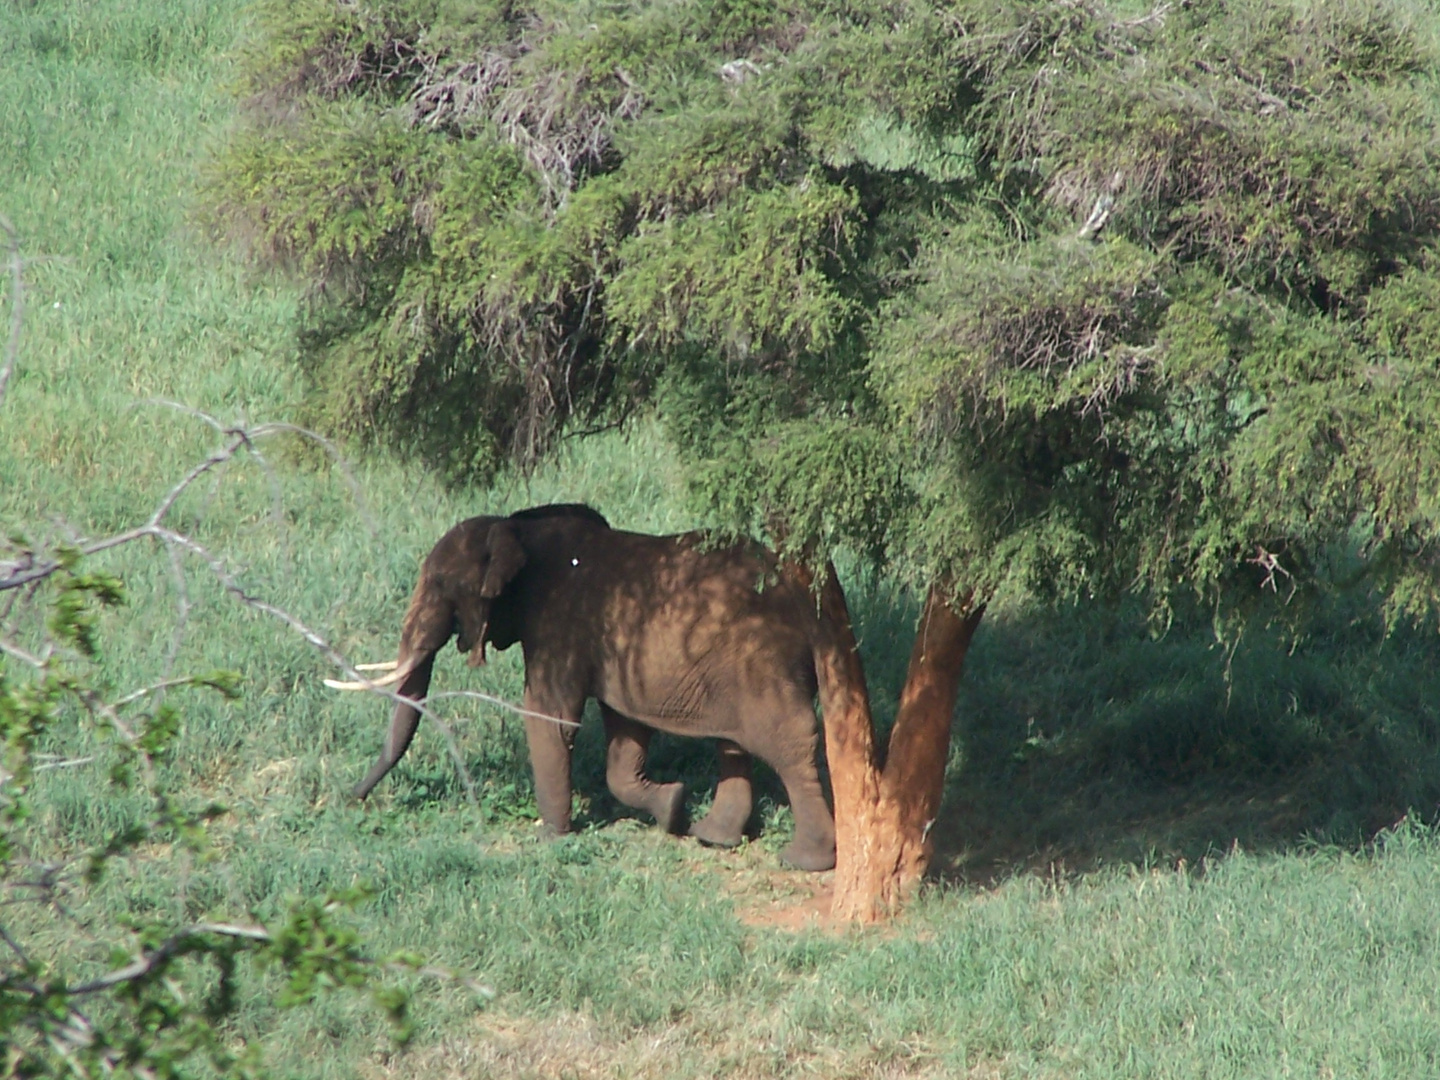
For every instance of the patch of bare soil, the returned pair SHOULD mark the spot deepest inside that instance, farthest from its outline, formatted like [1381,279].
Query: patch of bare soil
[786,900]
[766,894]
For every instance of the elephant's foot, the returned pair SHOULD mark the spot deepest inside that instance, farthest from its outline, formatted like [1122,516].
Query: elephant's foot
[668,806]
[809,853]
[814,845]
[717,833]
[724,825]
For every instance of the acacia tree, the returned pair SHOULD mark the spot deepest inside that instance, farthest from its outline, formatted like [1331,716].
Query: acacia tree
[998,295]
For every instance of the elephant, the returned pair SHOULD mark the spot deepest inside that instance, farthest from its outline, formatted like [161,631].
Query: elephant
[667,633]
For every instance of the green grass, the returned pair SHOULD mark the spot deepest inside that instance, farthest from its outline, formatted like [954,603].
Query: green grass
[1091,758]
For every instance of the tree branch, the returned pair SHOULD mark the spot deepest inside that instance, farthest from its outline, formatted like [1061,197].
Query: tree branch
[68,763]
[158,956]
[14,946]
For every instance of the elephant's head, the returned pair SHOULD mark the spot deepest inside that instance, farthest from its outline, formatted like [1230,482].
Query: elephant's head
[462,577]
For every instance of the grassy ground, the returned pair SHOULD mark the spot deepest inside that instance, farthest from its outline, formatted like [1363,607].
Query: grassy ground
[1066,937]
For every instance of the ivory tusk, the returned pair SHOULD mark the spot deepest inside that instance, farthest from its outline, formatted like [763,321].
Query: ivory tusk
[387,665]
[367,684]
[337,684]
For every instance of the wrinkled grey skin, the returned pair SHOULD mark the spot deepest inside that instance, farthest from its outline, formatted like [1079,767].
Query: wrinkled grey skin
[665,635]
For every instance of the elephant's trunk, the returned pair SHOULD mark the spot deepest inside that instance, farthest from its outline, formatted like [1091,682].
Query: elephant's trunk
[403,722]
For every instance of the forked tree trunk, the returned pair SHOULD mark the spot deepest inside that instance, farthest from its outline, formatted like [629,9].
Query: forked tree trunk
[885,805]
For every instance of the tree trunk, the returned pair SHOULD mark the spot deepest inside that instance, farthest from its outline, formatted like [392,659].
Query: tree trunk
[884,809]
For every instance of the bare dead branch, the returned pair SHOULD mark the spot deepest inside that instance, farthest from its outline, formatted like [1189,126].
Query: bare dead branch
[188,410]
[453,745]
[156,958]
[276,427]
[23,572]
[336,458]
[475,986]
[30,571]
[216,458]
[163,684]
[23,655]
[164,951]
[491,699]
[1269,563]
[14,946]
[68,763]
[313,637]
[557,119]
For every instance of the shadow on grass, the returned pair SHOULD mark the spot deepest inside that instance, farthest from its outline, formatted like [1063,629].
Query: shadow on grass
[1080,741]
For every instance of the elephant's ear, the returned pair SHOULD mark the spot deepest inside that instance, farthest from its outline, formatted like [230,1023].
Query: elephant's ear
[506,559]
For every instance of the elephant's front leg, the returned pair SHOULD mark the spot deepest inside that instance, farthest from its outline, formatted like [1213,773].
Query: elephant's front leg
[626,743]
[551,743]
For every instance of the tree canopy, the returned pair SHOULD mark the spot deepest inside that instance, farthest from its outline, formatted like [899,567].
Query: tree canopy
[1074,296]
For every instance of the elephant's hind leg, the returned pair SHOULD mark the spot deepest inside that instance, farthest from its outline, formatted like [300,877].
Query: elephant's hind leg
[790,745]
[724,825]
[626,743]
[814,845]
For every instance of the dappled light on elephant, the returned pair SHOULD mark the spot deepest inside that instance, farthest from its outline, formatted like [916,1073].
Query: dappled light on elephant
[665,632]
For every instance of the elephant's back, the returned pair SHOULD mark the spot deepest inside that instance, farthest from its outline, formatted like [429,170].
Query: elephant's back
[694,587]
[701,635]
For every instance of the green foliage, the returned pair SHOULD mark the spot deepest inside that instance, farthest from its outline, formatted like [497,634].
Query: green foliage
[1283,143]
[661,198]
[73,621]
[154,1011]
[888,146]
[1042,296]
[89,987]
[355,173]
[818,480]
[749,278]
[1195,399]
